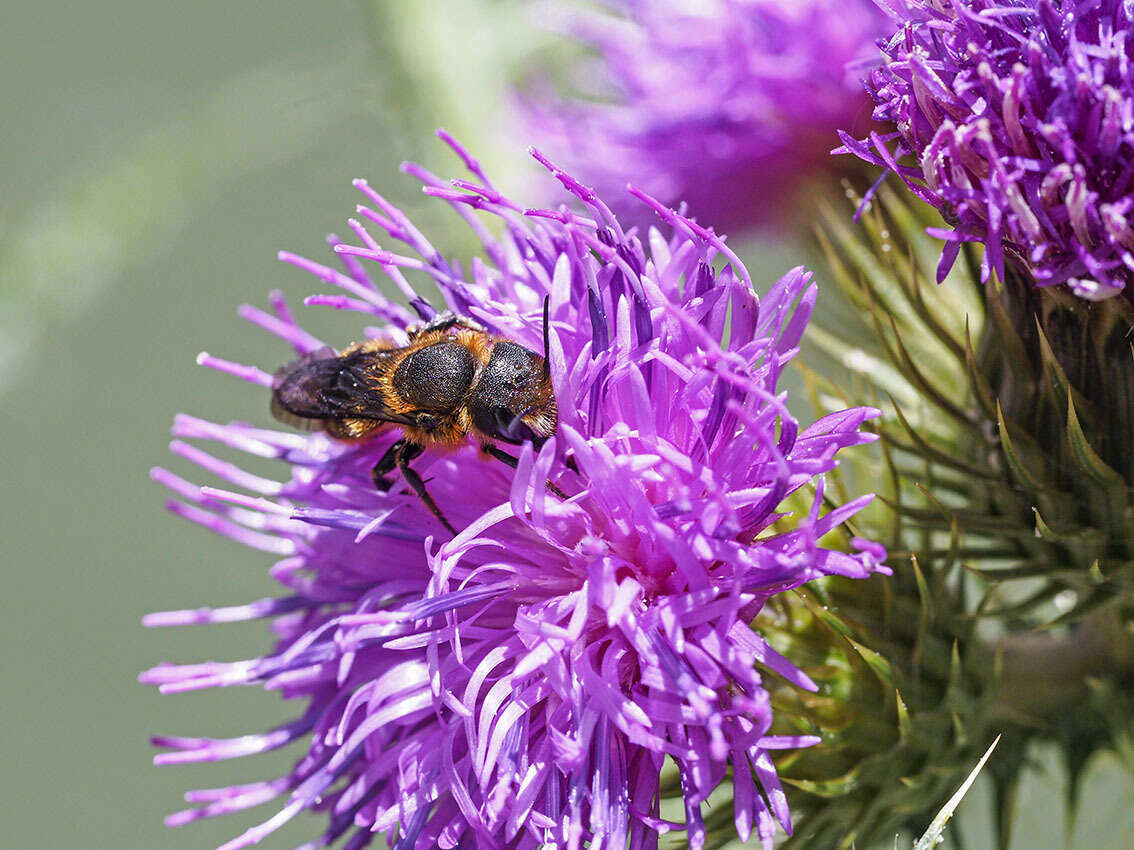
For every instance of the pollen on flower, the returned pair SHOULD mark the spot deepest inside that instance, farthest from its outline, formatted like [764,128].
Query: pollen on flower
[522,683]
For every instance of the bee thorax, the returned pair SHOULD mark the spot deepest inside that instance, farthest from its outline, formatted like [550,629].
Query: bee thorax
[435,378]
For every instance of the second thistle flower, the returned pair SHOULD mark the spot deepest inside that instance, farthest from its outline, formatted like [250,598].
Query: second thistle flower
[727,105]
[1019,115]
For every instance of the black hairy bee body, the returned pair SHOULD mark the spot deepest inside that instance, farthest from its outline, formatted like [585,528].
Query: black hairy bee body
[453,383]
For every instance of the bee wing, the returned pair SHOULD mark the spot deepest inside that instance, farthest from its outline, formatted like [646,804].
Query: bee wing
[322,386]
[294,395]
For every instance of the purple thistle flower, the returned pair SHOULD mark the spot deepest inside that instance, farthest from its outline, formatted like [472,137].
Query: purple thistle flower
[522,684]
[728,105]
[1021,116]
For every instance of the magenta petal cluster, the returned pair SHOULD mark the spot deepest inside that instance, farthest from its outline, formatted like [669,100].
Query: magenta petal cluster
[526,683]
[728,105]
[1021,116]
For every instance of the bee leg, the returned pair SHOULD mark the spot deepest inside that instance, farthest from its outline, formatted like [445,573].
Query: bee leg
[385,465]
[502,455]
[407,451]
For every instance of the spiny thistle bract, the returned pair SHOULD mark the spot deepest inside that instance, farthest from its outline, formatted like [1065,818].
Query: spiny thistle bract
[1018,116]
[523,683]
[728,105]
[1013,519]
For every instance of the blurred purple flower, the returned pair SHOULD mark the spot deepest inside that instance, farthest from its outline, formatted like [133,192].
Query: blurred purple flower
[1021,115]
[728,105]
[521,684]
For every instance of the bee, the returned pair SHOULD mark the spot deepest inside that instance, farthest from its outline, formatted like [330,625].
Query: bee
[454,382]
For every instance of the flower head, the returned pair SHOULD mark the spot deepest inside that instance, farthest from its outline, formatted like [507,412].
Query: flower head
[1021,116]
[521,684]
[728,105]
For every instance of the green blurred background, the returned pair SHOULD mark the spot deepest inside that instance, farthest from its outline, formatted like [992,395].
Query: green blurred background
[154,158]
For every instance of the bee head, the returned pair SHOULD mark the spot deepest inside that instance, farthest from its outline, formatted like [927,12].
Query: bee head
[513,400]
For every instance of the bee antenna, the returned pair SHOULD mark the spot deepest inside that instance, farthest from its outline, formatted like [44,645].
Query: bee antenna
[546,336]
